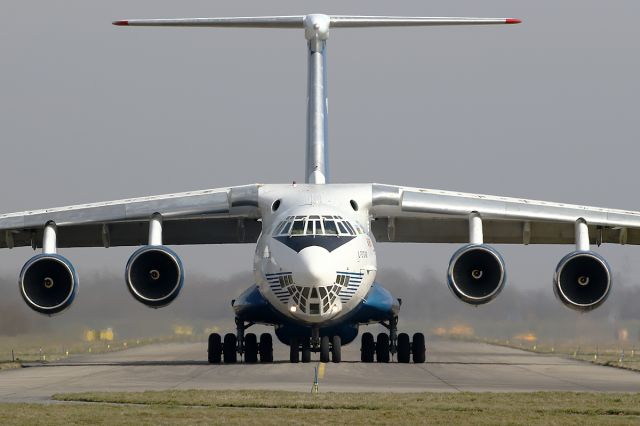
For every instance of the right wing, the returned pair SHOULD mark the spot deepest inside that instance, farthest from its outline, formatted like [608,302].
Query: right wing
[404,214]
[211,216]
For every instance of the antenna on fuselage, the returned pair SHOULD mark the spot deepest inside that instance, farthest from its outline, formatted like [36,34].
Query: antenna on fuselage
[316,30]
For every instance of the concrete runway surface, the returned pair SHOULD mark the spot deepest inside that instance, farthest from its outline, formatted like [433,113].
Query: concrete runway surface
[451,367]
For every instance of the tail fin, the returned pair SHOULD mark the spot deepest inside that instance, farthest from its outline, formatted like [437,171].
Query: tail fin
[316,28]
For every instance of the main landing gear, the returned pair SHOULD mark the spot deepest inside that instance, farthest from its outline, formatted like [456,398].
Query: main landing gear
[254,350]
[232,345]
[391,344]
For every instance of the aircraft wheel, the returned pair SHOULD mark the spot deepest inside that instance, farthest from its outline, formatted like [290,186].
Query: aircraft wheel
[306,350]
[367,348]
[214,348]
[266,348]
[229,349]
[294,350]
[382,348]
[404,348]
[250,348]
[419,348]
[336,349]
[324,349]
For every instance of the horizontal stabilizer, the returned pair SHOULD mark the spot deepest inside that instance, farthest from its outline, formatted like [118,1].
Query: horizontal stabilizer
[297,21]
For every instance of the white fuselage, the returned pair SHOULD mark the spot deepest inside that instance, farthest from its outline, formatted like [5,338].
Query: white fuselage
[314,261]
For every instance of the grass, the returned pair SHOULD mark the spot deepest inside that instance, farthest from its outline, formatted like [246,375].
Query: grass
[45,348]
[9,365]
[276,407]
[613,355]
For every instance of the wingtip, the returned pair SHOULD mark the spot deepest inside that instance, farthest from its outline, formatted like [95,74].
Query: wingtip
[120,23]
[512,21]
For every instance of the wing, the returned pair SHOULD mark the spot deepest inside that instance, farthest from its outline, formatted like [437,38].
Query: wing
[212,216]
[403,214]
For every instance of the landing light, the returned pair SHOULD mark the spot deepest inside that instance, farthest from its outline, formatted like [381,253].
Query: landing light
[293,309]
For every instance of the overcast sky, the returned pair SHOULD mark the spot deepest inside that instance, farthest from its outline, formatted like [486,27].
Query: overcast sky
[547,110]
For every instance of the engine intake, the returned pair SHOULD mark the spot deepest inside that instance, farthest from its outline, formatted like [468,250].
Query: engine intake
[154,275]
[582,280]
[48,283]
[476,274]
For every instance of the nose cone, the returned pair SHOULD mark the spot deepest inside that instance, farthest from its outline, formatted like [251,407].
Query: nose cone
[314,267]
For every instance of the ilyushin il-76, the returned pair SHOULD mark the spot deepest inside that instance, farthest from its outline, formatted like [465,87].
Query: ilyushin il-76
[315,260]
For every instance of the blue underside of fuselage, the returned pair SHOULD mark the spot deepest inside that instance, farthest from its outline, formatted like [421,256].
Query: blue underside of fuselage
[377,306]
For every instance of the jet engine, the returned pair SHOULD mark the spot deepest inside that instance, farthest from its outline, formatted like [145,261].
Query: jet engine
[476,274]
[154,275]
[48,283]
[582,280]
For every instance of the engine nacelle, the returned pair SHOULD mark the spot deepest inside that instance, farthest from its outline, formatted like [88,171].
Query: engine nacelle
[154,275]
[476,274]
[582,280]
[48,283]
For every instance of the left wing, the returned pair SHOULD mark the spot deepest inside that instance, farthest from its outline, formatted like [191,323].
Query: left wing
[211,216]
[404,214]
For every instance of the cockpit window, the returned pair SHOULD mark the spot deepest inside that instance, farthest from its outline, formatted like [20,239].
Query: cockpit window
[315,225]
[298,227]
[330,227]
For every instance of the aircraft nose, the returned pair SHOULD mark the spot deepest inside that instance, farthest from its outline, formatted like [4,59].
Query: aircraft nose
[314,267]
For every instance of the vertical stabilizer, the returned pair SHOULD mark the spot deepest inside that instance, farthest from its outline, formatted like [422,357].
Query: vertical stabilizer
[316,30]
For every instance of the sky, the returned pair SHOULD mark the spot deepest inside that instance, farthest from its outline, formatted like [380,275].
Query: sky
[547,109]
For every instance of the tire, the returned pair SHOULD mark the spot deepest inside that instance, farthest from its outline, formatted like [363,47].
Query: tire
[250,348]
[336,349]
[229,351]
[214,349]
[404,348]
[367,348]
[324,349]
[266,348]
[382,348]
[294,350]
[419,348]
[306,350]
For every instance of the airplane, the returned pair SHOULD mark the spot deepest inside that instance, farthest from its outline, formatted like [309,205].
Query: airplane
[315,260]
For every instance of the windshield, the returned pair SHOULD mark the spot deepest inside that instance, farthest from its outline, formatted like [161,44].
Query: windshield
[330,225]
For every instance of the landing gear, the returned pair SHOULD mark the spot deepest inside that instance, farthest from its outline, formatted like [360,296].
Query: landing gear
[229,349]
[306,350]
[367,348]
[388,345]
[250,348]
[266,348]
[294,351]
[404,348]
[336,349]
[382,348]
[215,348]
[419,348]
[324,349]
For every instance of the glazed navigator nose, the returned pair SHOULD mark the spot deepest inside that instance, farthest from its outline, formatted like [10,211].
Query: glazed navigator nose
[313,267]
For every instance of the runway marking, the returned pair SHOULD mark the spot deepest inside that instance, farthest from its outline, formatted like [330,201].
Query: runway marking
[522,367]
[321,370]
[423,367]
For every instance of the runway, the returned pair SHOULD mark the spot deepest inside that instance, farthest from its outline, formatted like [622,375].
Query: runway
[451,367]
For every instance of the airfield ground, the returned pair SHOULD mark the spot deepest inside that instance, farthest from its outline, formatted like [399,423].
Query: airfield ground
[523,387]
[269,407]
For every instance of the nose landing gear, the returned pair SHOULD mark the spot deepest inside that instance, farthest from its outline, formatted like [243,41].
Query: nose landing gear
[330,349]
